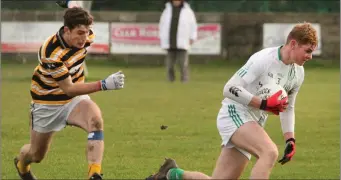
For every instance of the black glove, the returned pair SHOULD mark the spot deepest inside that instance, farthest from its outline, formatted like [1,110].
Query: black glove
[289,151]
[63,4]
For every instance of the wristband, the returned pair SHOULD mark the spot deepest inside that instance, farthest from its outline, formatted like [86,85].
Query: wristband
[290,139]
[263,104]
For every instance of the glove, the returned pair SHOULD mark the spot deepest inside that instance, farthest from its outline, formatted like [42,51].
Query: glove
[63,4]
[289,151]
[273,104]
[113,82]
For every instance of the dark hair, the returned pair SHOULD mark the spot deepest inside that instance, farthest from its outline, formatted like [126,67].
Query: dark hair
[77,16]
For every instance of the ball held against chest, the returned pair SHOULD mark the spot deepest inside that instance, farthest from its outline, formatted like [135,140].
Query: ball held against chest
[269,89]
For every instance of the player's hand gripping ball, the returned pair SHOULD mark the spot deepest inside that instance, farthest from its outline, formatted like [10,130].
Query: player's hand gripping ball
[274,98]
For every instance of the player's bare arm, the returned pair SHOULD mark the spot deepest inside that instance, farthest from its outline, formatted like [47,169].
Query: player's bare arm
[75,89]
[113,82]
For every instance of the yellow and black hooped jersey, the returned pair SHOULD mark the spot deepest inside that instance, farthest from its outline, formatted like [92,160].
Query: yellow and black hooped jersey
[57,61]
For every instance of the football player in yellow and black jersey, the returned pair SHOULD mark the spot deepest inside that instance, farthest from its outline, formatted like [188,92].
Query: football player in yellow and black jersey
[60,95]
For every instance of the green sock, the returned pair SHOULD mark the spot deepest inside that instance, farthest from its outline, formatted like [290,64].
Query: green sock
[175,174]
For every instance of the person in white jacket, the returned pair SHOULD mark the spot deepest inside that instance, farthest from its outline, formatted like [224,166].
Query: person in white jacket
[177,32]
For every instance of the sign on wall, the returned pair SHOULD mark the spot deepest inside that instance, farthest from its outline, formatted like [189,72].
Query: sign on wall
[27,37]
[124,38]
[275,34]
[143,38]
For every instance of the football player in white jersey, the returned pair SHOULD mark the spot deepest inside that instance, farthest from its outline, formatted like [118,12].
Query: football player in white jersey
[242,116]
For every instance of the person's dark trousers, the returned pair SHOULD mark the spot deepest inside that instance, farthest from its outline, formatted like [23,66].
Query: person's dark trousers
[179,56]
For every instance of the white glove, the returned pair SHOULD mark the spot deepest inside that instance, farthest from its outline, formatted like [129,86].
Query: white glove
[113,82]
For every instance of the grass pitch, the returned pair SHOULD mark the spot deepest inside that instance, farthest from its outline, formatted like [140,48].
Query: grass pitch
[135,145]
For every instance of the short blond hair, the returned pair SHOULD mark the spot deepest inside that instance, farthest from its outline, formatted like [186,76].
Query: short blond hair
[303,33]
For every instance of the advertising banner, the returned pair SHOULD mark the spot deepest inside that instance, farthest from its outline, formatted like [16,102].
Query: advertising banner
[143,38]
[27,37]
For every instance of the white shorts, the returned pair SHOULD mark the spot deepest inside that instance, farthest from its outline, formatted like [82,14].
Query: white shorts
[230,117]
[48,118]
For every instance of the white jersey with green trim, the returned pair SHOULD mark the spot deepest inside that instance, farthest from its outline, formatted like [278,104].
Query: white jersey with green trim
[263,67]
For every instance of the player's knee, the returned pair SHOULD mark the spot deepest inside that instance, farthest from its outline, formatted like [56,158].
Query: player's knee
[270,153]
[273,153]
[96,123]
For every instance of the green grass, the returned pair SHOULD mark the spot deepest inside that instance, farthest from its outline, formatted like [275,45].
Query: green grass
[135,145]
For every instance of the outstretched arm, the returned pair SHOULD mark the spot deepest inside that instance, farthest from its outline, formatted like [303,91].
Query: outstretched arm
[113,82]
[55,68]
